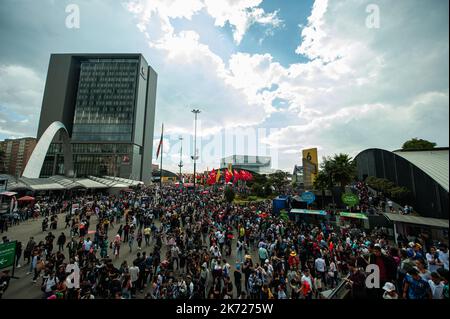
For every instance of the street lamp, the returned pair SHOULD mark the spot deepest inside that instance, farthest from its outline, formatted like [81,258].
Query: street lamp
[195,157]
[181,158]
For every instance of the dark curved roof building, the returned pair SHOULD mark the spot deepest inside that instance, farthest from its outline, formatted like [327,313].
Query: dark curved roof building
[424,172]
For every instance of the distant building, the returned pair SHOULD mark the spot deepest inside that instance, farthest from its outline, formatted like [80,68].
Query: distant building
[424,172]
[256,164]
[297,175]
[16,155]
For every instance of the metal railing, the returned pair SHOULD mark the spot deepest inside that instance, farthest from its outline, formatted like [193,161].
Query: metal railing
[341,291]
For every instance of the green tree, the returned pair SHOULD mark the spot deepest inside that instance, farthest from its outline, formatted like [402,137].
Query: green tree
[257,179]
[257,190]
[418,144]
[322,183]
[279,180]
[341,168]
[229,194]
[268,190]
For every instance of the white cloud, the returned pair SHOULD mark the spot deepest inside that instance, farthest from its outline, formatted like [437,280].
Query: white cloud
[21,92]
[239,14]
[362,87]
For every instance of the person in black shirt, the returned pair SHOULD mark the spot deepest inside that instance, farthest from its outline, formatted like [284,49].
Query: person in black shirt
[238,279]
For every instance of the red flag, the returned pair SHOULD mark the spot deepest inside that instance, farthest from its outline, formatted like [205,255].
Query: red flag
[246,176]
[160,141]
[237,176]
[228,176]
[212,177]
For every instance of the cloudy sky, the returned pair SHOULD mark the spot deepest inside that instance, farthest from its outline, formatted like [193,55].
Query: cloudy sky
[286,74]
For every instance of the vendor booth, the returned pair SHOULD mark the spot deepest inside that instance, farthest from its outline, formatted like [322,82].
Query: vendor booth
[308,216]
[406,226]
[346,219]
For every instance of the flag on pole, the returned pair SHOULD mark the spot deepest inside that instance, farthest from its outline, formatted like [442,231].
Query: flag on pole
[228,176]
[218,176]
[160,141]
[237,176]
[212,177]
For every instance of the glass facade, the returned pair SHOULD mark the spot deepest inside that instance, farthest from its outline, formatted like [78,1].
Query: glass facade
[93,159]
[108,110]
[105,102]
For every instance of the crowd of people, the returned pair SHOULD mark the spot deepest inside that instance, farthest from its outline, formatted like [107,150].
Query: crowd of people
[195,245]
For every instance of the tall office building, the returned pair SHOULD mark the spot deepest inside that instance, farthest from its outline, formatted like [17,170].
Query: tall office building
[107,104]
[17,152]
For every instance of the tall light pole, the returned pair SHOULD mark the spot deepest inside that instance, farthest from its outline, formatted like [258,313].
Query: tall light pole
[195,157]
[181,158]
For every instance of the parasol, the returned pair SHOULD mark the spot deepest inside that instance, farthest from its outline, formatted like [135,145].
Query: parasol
[26,199]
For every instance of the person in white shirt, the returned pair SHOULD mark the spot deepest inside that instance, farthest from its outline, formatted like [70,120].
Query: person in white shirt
[437,286]
[134,276]
[320,267]
[308,278]
[443,255]
[433,260]
[87,244]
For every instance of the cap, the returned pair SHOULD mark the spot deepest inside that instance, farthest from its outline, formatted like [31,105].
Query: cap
[248,257]
[411,244]
[389,287]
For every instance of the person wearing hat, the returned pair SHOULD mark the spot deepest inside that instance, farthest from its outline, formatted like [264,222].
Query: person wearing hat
[293,260]
[418,253]
[414,287]
[389,291]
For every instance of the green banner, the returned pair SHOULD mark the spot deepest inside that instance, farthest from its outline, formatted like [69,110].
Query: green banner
[353,215]
[7,254]
[350,199]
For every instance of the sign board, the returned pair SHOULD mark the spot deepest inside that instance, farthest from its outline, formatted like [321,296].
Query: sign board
[353,215]
[350,199]
[310,164]
[310,212]
[308,197]
[7,254]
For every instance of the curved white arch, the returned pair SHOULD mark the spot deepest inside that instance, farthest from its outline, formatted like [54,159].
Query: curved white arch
[36,161]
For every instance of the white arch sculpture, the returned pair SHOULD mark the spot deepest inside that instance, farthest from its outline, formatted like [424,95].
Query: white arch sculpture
[36,161]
